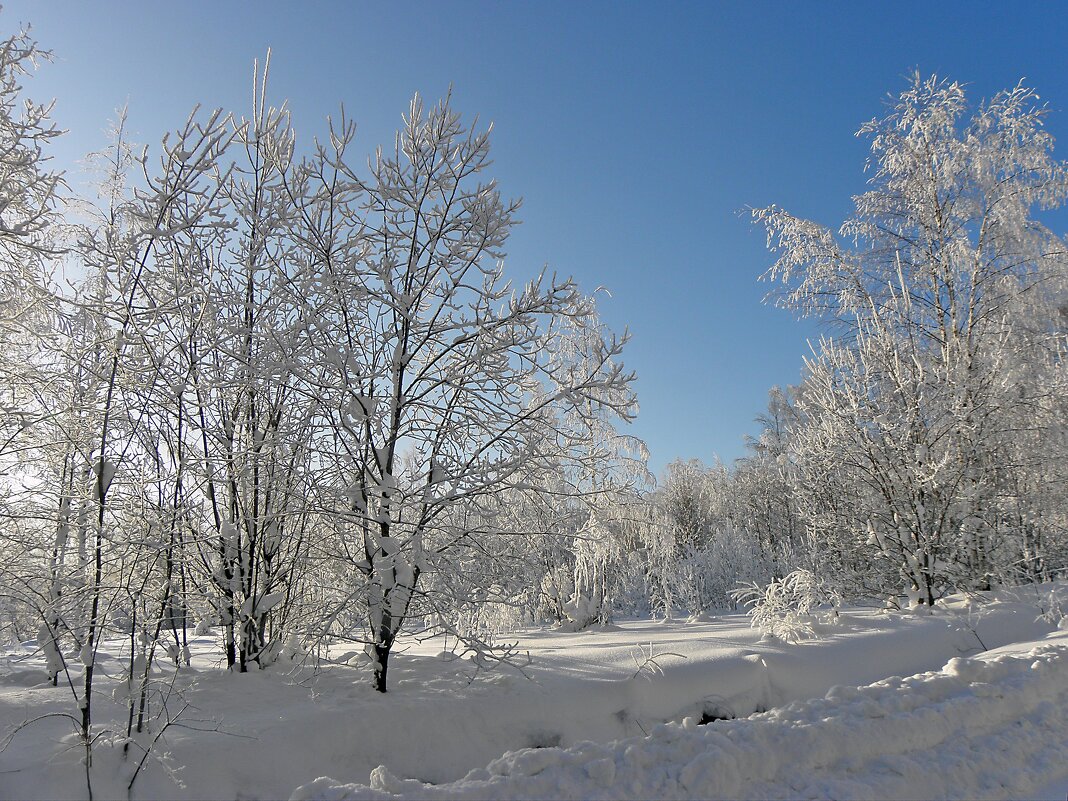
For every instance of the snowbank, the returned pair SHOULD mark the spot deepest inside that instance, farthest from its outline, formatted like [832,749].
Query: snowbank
[991,727]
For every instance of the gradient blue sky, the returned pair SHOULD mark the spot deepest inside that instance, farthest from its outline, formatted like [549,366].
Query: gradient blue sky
[635,132]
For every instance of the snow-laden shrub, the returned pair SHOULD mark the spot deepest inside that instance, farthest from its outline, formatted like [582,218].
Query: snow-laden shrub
[787,608]
[1053,611]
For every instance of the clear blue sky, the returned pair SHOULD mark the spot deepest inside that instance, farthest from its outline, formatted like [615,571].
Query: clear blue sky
[636,133]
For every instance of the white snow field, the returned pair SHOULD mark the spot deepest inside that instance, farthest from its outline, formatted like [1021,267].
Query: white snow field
[603,714]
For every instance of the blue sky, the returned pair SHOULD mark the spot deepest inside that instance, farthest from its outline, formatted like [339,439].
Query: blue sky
[637,133]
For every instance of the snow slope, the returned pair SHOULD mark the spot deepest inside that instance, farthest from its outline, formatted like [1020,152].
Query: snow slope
[261,735]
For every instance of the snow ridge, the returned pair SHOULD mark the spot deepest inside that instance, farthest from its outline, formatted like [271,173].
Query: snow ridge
[993,727]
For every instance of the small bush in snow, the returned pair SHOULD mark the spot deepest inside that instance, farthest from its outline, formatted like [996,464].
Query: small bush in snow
[1053,611]
[786,607]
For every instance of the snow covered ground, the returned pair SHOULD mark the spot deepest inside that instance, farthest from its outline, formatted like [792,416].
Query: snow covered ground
[992,726]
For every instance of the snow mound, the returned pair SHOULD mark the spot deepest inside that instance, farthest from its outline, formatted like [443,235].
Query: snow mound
[984,727]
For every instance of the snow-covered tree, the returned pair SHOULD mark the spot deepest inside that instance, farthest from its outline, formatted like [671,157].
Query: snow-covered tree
[29,195]
[446,385]
[761,483]
[908,416]
[703,548]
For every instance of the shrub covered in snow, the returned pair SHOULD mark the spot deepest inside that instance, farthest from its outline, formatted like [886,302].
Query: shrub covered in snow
[789,608]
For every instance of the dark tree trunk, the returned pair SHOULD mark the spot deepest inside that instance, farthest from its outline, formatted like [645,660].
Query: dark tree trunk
[381,666]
